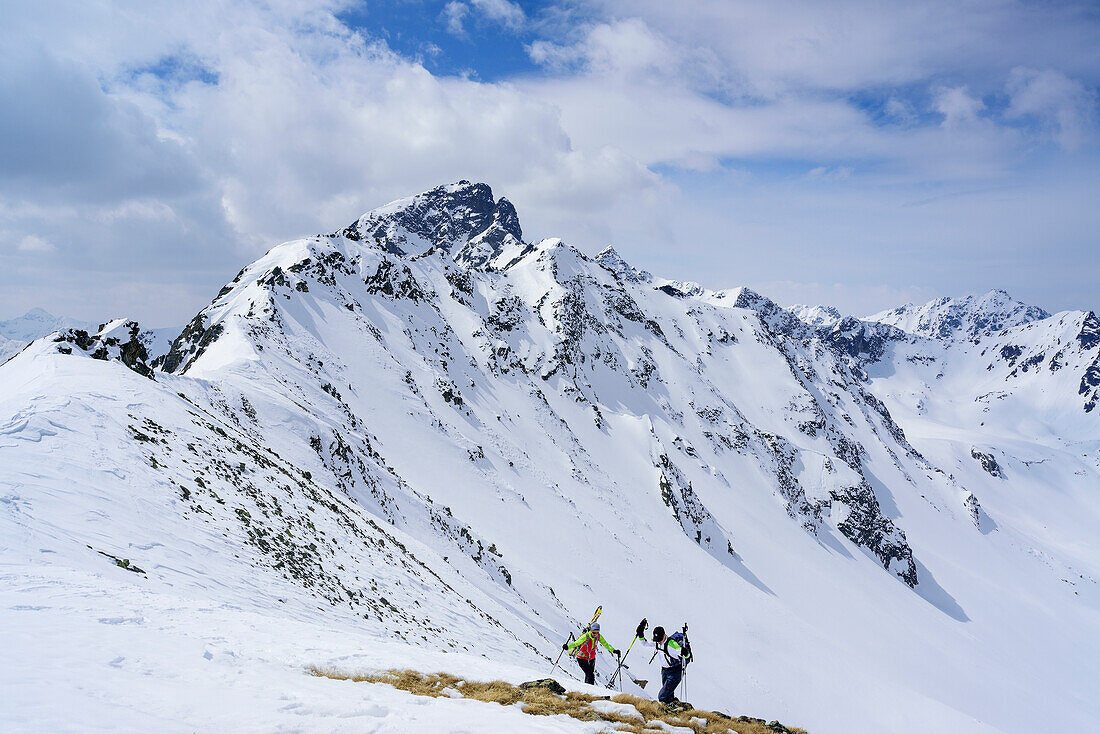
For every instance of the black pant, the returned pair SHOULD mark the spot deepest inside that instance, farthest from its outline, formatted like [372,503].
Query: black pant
[670,678]
[588,665]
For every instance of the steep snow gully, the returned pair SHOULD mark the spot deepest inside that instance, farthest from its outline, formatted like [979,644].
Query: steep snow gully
[422,441]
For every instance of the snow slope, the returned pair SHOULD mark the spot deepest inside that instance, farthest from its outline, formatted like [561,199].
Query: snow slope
[424,428]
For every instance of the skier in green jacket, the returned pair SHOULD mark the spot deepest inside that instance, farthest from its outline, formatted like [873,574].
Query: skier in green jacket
[586,655]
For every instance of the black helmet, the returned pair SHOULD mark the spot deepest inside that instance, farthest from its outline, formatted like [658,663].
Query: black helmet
[658,634]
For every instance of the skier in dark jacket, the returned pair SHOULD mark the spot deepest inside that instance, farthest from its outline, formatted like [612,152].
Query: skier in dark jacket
[674,653]
[586,655]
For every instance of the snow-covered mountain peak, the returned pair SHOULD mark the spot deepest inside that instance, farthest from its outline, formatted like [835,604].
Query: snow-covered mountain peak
[971,317]
[682,288]
[35,323]
[821,315]
[16,333]
[462,219]
[613,261]
[774,316]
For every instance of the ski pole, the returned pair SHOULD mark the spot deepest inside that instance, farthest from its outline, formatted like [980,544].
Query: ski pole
[561,653]
[686,659]
[640,634]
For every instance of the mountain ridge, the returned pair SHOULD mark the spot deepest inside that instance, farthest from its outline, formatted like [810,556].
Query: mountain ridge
[970,316]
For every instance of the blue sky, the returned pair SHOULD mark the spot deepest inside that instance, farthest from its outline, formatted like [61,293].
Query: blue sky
[449,43]
[856,153]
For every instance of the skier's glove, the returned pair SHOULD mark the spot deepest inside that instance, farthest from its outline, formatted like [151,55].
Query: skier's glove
[641,629]
[565,646]
[616,653]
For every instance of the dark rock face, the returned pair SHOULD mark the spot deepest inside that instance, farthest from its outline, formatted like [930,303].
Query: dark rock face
[505,222]
[694,517]
[866,526]
[460,219]
[974,509]
[1089,336]
[861,518]
[396,281]
[1010,353]
[1090,385]
[132,352]
[988,463]
[190,344]
[777,319]
[863,341]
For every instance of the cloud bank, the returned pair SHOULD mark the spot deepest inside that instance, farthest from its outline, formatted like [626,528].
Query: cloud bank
[885,147]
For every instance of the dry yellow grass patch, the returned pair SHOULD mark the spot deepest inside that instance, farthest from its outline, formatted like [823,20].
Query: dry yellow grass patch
[716,723]
[543,702]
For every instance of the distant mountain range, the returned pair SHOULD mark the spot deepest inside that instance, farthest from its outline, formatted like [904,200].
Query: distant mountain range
[19,332]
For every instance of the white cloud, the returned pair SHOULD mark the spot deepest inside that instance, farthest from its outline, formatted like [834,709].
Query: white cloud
[958,107]
[31,243]
[66,139]
[299,145]
[830,173]
[502,12]
[1064,107]
[307,126]
[506,13]
[187,137]
[628,51]
[900,111]
[772,47]
[666,103]
[455,13]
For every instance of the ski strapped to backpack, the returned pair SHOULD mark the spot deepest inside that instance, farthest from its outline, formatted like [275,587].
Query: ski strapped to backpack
[599,611]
